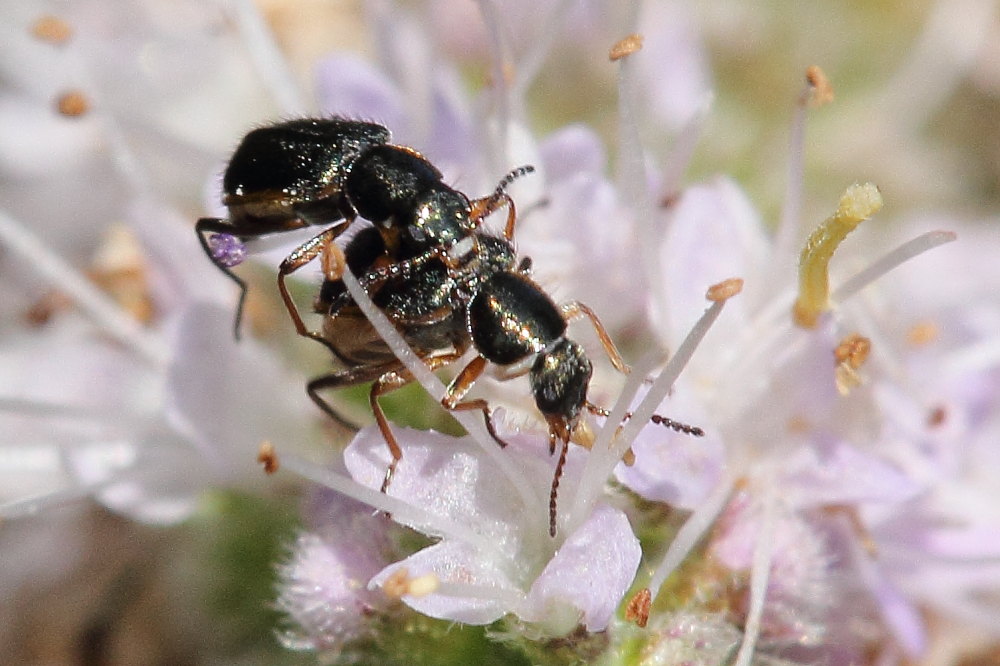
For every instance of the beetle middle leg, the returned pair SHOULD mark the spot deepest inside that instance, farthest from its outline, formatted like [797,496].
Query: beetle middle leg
[299,257]
[452,400]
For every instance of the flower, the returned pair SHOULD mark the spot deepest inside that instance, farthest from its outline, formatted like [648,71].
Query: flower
[840,506]
[121,381]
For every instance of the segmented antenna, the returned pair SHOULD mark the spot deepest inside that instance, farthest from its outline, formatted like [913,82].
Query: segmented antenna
[500,193]
[655,418]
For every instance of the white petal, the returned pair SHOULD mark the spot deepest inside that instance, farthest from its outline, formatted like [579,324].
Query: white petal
[484,593]
[446,476]
[588,577]
[228,413]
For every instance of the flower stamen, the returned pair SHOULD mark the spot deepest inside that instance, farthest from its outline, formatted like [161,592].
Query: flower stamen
[691,532]
[625,46]
[52,29]
[891,260]
[817,92]
[857,204]
[922,334]
[617,441]
[72,104]
[98,306]
[268,457]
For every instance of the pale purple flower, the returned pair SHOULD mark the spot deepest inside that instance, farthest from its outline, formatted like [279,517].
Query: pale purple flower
[495,556]
[808,444]
[142,416]
[324,582]
[831,497]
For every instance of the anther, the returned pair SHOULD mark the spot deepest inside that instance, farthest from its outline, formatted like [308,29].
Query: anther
[820,91]
[399,584]
[268,457]
[850,355]
[51,29]
[72,104]
[637,609]
[625,47]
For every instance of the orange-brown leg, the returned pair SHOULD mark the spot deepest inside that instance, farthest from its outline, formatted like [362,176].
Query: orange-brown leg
[452,400]
[298,258]
[485,206]
[575,309]
[388,382]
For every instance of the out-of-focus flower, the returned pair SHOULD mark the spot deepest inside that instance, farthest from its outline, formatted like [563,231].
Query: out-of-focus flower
[826,442]
[121,382]
[140,415]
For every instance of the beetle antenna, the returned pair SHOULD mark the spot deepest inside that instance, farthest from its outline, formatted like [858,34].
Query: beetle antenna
[553,494]
[658,419]
[511,176]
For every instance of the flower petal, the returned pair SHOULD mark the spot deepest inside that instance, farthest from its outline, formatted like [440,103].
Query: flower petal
[588,576]
[484,592]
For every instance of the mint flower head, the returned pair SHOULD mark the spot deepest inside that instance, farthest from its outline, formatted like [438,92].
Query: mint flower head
[835,348]
[780,553]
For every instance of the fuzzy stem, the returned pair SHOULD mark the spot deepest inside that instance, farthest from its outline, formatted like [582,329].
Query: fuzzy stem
[760,574]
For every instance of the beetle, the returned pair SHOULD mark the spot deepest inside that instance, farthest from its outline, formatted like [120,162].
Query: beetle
[326,172]
[444,307]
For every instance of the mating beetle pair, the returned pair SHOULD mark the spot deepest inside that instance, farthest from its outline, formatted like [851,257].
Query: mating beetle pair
[442,280]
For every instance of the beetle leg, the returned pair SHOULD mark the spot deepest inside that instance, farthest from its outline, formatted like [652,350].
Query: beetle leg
[298,258]
[214,225]
[575,309]
[452,400]
[485,206]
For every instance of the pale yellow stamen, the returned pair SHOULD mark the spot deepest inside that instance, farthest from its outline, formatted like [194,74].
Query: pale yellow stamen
[857,204]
